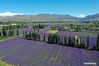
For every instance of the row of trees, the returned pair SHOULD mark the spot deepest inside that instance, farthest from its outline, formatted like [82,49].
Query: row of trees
[61,28]
[8,33]
[31,36]
[66,41]
[15,26]
[97,45]
[37,27]
[77,28]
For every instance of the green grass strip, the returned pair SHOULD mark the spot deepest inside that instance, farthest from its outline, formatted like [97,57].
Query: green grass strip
[6,38]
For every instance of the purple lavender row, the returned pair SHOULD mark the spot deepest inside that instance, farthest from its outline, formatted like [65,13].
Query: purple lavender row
[39,53]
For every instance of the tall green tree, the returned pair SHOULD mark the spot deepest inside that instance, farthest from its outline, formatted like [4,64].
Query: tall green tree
[65,40]
[54,38]
[97,42]
[4,31]
[12,32]
[17,32]
[77,40]
[82,44]
[26,35]
[88,40]
[35,36]
[9,33]
[23,33]
[69,42]
[39,37]
[62,43]
[94,47]
[50,39]
[0,34]
[29,36]
[73,41]
[58,39]
[44,39]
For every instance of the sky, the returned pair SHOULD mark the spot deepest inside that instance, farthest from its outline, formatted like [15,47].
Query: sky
[79,8]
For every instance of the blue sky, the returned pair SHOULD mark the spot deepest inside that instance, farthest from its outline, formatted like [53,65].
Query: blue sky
[71,7]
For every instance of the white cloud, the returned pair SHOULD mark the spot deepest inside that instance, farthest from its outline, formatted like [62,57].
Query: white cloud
[10,14]
[81,16]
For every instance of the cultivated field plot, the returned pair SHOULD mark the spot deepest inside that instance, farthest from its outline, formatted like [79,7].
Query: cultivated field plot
[52,31]
[82,34]
[34,53]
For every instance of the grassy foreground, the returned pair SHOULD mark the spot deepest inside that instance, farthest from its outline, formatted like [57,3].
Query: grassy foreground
[5,64]
[6,38]
[2,63]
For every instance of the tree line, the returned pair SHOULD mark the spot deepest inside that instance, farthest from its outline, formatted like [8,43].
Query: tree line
[37,27]
[77,28]
[65,41]
[15,26]
[8,33]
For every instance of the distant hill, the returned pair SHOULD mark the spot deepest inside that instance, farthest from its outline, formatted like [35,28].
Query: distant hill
[94,17]
[39,17]
[47,17]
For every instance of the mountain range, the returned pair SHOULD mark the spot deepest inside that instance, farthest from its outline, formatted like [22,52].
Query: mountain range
[47,17]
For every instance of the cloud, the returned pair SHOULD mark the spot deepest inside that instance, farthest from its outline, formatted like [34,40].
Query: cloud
[81,16]
[10,14]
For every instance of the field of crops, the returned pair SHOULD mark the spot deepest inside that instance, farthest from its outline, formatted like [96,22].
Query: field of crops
[52,31]
[23,52]
[82,34]
[34,53]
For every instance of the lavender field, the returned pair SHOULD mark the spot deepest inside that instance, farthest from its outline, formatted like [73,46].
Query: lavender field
[24,52]
[31,46]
